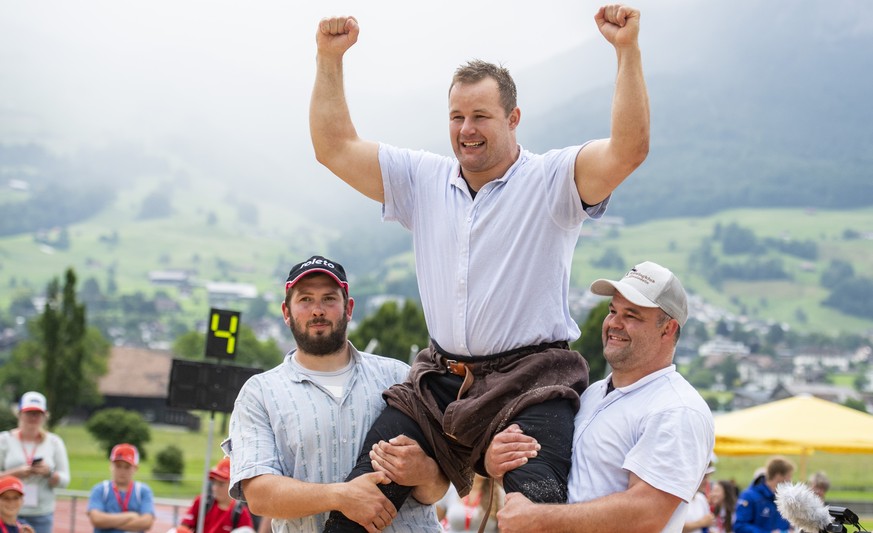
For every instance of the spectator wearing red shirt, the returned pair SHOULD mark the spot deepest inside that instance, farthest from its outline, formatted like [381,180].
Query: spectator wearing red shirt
[223,514]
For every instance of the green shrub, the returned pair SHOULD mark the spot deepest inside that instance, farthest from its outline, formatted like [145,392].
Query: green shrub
[8,420]
[116,425]
[169,464]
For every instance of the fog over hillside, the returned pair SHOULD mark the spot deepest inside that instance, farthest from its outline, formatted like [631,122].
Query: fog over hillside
[755,94]
[222,88]
[158,134]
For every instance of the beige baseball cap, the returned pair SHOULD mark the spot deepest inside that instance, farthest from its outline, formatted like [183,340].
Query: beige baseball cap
[649,285]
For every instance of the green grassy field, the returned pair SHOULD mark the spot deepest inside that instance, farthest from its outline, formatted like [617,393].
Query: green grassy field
[224,250]
[228,250]
[89,466]
[851,475]
[671,241]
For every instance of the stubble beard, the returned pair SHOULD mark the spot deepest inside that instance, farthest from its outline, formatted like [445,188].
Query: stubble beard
[320,345]
[615,356]
[479,162]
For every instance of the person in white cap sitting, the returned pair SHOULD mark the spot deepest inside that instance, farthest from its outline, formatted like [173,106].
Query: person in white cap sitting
[38,458]
[643,436]
[122,504]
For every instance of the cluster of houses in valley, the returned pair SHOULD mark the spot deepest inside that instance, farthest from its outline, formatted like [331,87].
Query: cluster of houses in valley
[765,378]
[138,378]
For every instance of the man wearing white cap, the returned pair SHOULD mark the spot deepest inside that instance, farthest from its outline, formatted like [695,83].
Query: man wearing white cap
[643,437]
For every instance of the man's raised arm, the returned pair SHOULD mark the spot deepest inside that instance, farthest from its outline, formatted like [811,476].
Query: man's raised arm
[336,143]
[603,164]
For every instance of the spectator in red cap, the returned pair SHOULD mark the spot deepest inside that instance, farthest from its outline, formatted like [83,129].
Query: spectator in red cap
[11,500]
[38,458]
[122,504]
[223,513]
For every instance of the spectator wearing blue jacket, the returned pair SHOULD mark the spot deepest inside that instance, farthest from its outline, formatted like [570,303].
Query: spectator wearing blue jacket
[756,507]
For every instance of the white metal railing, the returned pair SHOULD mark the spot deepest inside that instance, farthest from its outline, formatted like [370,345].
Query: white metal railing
[80,497]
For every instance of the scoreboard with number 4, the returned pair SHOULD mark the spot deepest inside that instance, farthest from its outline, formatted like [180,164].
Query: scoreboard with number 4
[211,386]
[221,335]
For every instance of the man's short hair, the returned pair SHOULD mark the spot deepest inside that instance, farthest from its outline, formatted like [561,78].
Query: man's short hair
[820,480]
[663,319]
[477,70]
[777,466]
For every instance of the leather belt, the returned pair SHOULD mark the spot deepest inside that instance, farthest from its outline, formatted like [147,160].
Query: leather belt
[457,368]
[462,369]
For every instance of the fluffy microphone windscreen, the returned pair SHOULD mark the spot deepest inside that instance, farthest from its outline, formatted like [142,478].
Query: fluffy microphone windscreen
[802,508]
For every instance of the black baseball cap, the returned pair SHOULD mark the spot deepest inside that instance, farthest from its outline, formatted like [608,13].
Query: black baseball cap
[318,264]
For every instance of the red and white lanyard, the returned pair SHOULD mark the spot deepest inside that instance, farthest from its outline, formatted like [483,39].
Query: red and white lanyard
[3,526]
[470,508]
[28,457]
[123,504]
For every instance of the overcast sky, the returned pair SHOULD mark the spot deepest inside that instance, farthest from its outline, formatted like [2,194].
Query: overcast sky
[83,71]
[222,87]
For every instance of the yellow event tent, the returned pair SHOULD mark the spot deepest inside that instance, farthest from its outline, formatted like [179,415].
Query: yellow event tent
[795,426]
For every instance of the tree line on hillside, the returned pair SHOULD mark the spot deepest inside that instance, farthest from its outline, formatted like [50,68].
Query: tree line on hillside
[53,206]
[58,191]
[64,356]
[850,293]
[734,252]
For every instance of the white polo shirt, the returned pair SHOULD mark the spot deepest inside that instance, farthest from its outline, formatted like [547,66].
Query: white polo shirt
[659,428]
[494,270]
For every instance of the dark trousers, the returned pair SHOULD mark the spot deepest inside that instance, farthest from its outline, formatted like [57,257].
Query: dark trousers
[543,479]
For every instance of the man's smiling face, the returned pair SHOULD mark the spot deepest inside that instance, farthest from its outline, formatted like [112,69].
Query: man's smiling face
[482,134]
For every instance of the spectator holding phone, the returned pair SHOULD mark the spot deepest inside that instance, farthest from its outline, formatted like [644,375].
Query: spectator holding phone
[38,458]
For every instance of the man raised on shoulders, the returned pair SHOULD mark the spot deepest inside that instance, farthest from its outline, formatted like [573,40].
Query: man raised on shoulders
[494,232]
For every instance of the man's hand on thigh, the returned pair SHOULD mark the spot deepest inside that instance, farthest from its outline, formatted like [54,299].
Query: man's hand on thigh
[403,461]
[508,450]
[364,503]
